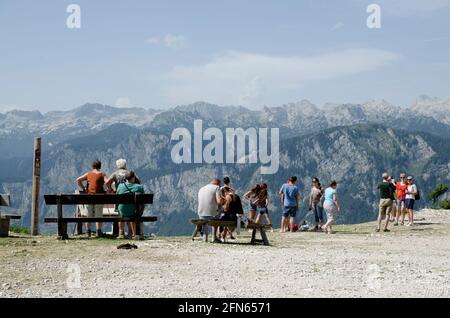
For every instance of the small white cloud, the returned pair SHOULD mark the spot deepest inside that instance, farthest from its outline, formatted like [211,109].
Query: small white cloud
[172,41]
[337,26]
[123,102]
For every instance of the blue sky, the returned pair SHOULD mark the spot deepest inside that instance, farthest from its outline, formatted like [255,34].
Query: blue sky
[161,54]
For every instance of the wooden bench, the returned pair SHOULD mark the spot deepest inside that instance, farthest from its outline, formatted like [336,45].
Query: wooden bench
[78,199]
[5,200]
[255,227]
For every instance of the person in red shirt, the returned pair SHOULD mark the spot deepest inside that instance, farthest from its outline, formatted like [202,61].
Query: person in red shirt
[400,199]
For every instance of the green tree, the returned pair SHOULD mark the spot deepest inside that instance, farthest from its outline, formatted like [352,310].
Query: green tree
[445,204]
[434,195]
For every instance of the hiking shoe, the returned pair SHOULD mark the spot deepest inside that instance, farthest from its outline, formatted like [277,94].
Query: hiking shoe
[216,240]
[396,224]
[377,230]
[386,230]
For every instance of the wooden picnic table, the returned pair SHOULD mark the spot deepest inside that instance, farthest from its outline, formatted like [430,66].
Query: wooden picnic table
[255,227]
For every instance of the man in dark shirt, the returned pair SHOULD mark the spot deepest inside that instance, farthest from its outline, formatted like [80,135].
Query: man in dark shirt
[386,201]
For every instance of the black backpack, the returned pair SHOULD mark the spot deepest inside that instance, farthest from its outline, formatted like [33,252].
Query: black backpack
[417,196]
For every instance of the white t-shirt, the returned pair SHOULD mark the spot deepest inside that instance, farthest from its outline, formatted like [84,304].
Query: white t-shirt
[411,188]
[207,205]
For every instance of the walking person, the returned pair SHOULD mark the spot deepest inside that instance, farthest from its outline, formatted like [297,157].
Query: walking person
[411,193]
[400,201]
[315,203]
[290,197]
[331,206]
[386,202]
[95,179]
[209,200]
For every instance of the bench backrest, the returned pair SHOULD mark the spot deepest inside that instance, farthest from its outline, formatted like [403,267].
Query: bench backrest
[5,200]
[103,198]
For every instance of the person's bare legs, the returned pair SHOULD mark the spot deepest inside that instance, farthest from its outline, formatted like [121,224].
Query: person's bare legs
[88,229]
[133,228]
[269,221]
[259,218]
[285,224]
[380,218]
[251,215]
[291,223]
[224,234]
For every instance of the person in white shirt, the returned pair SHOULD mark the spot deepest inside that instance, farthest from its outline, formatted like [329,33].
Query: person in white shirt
[411,193]
[209,201]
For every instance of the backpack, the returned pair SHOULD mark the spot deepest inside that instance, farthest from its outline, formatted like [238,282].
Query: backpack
[417,196]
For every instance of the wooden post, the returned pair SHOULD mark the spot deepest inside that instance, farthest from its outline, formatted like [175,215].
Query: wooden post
[36,187]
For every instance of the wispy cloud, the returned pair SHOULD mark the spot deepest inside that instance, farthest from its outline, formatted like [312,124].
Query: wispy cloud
[337,26]
[169,40]
[249,79]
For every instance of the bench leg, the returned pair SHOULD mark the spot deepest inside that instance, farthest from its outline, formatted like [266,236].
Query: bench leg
[79,227]
[115,229]
[264,236]
[194,234]
[253,236]
[63,234]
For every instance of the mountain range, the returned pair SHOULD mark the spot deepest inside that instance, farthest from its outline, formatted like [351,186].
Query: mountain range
[351,143]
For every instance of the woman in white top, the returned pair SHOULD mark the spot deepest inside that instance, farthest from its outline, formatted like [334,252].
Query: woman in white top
[411,193]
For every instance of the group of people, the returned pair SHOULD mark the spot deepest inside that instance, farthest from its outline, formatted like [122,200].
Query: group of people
[223,203]
[122,181]
[397,198]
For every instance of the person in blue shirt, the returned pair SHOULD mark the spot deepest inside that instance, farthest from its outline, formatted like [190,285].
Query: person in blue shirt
[331,206]
[289,201]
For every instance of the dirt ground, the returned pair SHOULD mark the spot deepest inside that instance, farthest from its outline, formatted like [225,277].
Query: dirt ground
[354,262]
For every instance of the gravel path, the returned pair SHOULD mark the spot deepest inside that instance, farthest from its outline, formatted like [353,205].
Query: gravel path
[354,262]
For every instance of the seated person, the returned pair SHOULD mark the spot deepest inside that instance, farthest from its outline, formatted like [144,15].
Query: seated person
[231,208]
[129,210]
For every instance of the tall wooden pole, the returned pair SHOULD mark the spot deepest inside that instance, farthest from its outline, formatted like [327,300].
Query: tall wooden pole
[36,187]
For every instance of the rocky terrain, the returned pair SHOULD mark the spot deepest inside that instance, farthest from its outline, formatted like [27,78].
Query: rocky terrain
[354,262]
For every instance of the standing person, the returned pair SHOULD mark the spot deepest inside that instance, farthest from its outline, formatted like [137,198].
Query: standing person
[252,197]
[129,210]
[112,184]
[262,205]
[411,193]
[392,210]
[209,200]
[401,186]
[315,203]
[331,206]
[386,201]
[290,196]
[95,181]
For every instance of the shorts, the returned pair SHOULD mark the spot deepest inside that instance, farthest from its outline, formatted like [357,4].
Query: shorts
[94,210]
[409,204]
[289,212]
[252,207]
[330,211]
[385,206]
[399,202]
[228,217]
[262,210]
